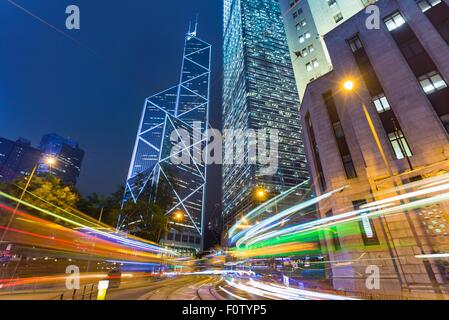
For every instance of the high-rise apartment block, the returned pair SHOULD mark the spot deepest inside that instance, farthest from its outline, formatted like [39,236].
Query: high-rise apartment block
[306,22]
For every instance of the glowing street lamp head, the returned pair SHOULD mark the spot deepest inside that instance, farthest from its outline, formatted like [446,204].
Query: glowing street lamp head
[50,161]
[261,193]
[349,85]
[178,215]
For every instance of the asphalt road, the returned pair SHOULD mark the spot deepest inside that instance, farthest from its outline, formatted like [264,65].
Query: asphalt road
[176,288]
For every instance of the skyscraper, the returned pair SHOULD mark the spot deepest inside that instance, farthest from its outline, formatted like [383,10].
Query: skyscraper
[166,117]
[17,158]
[259,92]
[69,158]
[306,22]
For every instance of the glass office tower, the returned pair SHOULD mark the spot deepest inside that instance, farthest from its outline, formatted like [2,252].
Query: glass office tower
[259,92]
[69,158]
[167,115]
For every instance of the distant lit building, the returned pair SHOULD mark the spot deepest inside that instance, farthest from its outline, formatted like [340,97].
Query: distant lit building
[400,75]
[259,92]
[17,159]
[68,155]
[306,22]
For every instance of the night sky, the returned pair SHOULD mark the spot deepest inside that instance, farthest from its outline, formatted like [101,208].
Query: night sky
[91,88]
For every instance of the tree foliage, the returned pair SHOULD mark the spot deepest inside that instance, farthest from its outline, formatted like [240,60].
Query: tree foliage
[44,191]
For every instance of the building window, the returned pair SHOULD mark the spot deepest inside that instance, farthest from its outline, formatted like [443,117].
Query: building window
[332,3]
[338,17]
[334,233]
[369,234]
[338,129]
[355,43]
[311,48]
[342,144]
[185,238]
[301,39]
[304,52]
[399,144]
[381,103]
[427,4]
[178,237]
[394,21]
[348,164]
[309,66]
[315,63]
[316,154]
[445,121]
[170,236]
[301,24]
[432,82]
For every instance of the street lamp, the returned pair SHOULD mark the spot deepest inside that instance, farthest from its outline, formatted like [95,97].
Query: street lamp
[48,160]
[261,193]
[178,215]
[349,85]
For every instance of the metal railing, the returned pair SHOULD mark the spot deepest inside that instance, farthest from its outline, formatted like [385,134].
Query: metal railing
[88,292]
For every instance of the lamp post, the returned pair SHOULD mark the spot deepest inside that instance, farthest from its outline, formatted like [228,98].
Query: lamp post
[49,161]
[349,86]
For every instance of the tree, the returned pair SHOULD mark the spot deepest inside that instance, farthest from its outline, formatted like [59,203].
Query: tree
[152,222]
[45,191]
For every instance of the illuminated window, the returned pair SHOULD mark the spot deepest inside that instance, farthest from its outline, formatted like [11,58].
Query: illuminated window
[301,24]
[432,82]
[381,103]
[304,52]
[395,21]
[369,234]
[399,145]
[427,4]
